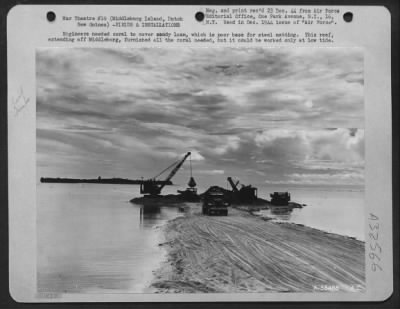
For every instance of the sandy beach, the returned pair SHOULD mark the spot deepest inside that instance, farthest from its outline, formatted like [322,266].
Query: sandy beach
[244,253]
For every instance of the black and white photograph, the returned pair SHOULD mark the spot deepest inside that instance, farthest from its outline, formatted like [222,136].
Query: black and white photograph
[200,170]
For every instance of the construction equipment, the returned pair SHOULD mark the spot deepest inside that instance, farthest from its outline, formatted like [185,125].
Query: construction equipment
[246,194]
[215,202]
[280,198]
[190,194]
[153,187]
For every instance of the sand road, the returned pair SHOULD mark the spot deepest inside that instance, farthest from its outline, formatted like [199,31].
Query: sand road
[243,253]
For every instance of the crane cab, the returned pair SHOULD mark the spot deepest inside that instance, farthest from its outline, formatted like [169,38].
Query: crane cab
[150,187]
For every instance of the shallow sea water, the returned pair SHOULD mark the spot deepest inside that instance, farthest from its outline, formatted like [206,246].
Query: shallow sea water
[340,211]
[91,239]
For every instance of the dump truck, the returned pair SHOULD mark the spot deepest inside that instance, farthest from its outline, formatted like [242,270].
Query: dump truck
[215,202]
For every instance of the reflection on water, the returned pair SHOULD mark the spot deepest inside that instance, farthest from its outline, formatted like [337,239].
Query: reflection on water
[91,239]
[279,212]
[151,215]
[340,212]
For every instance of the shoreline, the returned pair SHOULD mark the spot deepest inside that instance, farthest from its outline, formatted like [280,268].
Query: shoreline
[276,221]
[244,252]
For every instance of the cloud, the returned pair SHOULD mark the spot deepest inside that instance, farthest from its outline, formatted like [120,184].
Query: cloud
[344,145]
[343,179]
[231,144]
[196,156]
[256,109]
[278,153]
[268,86]
[211,172]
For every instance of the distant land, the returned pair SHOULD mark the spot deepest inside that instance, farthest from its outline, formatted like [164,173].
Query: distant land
[118,181]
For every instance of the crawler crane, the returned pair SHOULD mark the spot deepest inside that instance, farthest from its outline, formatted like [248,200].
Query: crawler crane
[153,187]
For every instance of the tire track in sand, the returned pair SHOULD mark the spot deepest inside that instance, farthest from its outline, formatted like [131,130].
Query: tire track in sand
[241,253]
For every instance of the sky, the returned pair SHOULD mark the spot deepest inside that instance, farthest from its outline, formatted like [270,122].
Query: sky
[277,116]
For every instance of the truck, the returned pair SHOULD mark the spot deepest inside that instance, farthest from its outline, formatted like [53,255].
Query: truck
[280,198]
[215,203]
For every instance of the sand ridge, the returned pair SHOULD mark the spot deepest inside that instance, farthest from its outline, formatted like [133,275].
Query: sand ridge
[243,253]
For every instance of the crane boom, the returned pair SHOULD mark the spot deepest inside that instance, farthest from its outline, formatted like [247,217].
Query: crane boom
[233,185]
[151,186]
[174,170]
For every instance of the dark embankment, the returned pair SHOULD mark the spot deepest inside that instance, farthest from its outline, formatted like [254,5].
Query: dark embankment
[117,181]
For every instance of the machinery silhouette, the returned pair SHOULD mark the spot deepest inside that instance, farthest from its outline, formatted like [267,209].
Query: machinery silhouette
[153,186]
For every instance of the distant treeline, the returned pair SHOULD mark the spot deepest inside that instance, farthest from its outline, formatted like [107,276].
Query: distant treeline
[120,181]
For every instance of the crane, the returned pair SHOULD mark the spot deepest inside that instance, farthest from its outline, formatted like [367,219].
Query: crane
[244,194]
[233,185]
[153,186]
[190,194]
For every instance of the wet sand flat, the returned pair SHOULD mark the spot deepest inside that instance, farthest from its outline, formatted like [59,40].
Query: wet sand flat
[243,253]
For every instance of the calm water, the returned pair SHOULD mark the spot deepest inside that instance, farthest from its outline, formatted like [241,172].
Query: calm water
[340,212]
[91,239]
